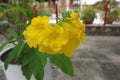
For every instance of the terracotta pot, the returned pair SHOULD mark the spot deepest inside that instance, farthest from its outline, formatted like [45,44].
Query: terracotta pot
[88,21]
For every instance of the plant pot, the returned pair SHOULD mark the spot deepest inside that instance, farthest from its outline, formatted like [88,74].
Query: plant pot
[88,21]
[14,71]
[109,21]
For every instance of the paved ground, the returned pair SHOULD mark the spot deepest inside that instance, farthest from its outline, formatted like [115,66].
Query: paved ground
[2,75]
[97,59]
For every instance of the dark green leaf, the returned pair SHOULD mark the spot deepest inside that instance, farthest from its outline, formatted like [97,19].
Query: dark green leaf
[20,24]
[27,71]
[12,33]
[32,64]
[15,53]
[43,56]
[63,62]
[29,14]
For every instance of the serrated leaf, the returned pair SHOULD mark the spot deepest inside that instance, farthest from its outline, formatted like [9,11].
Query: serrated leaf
[62,62]
[15,53]
[32,64]
[12,33]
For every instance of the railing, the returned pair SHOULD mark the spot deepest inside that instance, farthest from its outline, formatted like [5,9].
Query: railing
[98,29]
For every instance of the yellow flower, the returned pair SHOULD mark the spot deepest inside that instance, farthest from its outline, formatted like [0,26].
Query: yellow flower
[1,14]
[54,39]
[39,23]
[76,34]
[73,16]
[69,48]
[32,36]
[77,28]
[35,30]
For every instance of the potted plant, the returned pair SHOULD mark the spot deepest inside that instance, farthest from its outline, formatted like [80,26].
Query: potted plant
[40,40]
[113,15]
[113,11]
[14,70]
[88,14]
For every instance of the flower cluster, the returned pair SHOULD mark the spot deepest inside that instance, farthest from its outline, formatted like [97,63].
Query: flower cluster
[60,38]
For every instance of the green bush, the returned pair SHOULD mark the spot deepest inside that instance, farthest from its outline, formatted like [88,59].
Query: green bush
[112,16]
[88,14]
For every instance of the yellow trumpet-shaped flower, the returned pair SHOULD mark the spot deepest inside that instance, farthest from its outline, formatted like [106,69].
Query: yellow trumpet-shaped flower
[55,39]
[69,48]
[77,28]
[39,23]
[35,30]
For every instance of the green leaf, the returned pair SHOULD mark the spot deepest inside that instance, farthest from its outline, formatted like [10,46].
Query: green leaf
[20,24]
[29,14]
[43,56]
[15,53]
[32,64]
[12,33]
[63,62]
[16,8]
